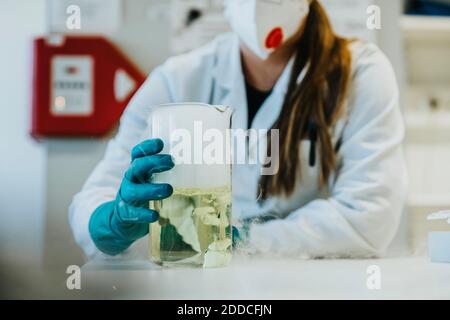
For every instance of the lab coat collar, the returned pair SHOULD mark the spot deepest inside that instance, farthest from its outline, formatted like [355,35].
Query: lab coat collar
[230,81]
[228,72]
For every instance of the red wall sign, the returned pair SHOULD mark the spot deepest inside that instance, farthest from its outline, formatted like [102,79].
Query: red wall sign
[81,85]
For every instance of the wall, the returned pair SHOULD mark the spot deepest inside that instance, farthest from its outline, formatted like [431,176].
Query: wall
[22,161]
[390,36]
[390,40]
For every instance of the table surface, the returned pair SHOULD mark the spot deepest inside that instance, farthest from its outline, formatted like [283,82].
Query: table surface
[270,278]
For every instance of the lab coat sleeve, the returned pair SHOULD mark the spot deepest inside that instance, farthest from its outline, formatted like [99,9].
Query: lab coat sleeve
[362,214]
[104,182]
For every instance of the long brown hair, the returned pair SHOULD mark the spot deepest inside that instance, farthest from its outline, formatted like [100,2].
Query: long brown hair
[311,107]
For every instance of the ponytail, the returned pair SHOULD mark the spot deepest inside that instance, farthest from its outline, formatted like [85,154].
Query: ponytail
[311,107]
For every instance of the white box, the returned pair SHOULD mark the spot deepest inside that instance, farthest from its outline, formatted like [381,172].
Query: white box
[439,246]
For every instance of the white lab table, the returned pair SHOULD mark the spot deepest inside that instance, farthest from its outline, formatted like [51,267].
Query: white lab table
[268,278]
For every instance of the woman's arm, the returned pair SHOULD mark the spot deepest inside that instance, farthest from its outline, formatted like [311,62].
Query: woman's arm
[103,183]
[362,215]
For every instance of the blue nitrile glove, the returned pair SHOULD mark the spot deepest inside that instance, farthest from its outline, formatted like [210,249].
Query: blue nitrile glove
[240,235]
[115,225]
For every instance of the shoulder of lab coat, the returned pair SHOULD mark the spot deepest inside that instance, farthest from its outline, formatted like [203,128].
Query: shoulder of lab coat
[190,77]
[367,194]
[186,77]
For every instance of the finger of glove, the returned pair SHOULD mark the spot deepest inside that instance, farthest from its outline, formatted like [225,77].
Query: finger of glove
[235,235]
[142,168]
[131,191]
[147,148]
[132,214]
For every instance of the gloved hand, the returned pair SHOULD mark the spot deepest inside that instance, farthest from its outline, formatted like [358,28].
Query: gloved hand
[240,235]
[241,232]
[115,225]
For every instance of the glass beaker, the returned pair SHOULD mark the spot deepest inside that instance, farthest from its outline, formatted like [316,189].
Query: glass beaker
[195,222]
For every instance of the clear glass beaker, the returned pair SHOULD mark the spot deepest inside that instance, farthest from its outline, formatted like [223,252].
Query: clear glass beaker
[195,222]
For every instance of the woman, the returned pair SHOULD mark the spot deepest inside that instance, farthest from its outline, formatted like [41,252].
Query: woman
[341,183]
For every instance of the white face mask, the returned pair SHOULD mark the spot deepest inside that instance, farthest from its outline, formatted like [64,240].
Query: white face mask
[264,25]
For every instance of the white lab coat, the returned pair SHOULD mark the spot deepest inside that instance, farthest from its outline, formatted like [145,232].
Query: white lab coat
[356,214]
